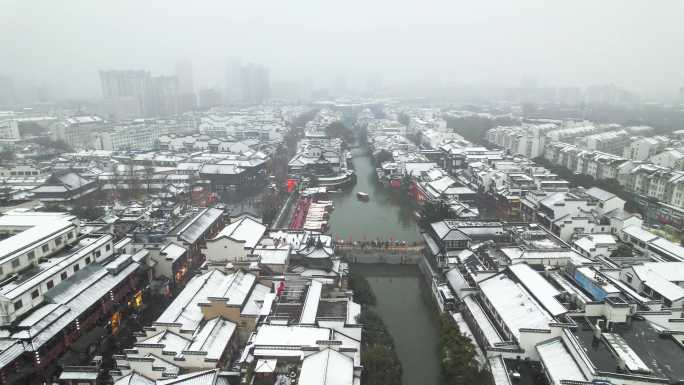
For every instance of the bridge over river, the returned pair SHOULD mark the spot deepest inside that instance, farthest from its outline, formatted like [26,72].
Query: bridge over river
[362,252]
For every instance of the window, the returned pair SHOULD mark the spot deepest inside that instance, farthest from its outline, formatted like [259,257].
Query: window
[50,285]
[1,270]
[31,254]
[18,305]
[35,294]
[70,234]
[46,248]
[96,253]
[63,276]
[16,263]
[58,241]
[87,260]
[108,247]
[76,267]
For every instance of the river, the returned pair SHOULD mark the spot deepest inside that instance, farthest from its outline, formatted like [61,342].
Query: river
[404,301]
[386,215]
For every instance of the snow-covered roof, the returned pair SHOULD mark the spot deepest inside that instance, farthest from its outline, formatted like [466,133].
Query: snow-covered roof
[37,230]
[221,169]
[272,255]
[246,229]
[134,379]
[659,276]
[416,168]
[662,286]
[293,336]
[488,330]
[672,271]
[213,338]
[514,304]
[259,300]
[540,288]
[520,253]
[15,289]
[497,367]
[625,353]
[558,362]
[193,229]
[70,299]
[172,342]
[310,308]
[592,241]
[209,377]
[172,251]
[669,247]
[599,194]
[266,365]
[185,310]
[328,367]
[10,349]
[640,234]
[457,281]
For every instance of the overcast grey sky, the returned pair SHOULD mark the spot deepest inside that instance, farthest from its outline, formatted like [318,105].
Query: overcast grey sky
[638,45]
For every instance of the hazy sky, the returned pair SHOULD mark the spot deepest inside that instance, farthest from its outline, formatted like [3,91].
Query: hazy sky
[638,45]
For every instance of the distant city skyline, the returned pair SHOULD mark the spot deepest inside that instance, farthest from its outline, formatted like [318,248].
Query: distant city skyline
[492,43]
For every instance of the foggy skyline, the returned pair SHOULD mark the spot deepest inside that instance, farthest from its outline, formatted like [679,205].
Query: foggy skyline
[635,45]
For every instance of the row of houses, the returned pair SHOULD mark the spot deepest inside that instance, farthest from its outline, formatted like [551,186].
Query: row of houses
[644,179]
[169,173]
[530,301]
[243,295]
[59,284]
[266,305]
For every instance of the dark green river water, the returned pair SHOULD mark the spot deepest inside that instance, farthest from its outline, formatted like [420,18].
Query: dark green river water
[405,305]
[386,215]
[403,297]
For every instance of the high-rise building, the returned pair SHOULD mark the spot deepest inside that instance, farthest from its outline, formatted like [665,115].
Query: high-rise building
[78,131]
[7,96]
[135,94]
[162,96]
[125,93]
[185,77]
[187,100]
[256,85]
[233,90]
[9,129]
[209,97]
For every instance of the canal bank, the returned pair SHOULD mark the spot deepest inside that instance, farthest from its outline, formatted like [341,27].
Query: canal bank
[405,305]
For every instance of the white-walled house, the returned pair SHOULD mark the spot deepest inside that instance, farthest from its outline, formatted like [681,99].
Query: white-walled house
[31,236]
[596,245]
[236,241]
[606,201]
[659,280]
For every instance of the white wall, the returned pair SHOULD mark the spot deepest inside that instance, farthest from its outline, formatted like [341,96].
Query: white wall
[529,340]
[224,250]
